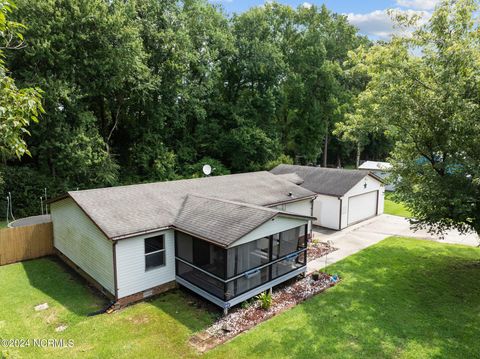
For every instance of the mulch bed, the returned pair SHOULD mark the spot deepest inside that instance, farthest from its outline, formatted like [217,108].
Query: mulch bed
[242,318]
[317,249]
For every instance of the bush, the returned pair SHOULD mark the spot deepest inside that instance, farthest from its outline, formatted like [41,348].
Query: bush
[281,160]
[265,299]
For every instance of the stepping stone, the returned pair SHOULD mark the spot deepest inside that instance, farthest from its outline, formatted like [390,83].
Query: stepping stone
[203,336]
[61,328]
[227,328]
[40,307]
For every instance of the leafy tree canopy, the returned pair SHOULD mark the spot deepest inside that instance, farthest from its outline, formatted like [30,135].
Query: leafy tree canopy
[148,90]
[18,107]
[424,94]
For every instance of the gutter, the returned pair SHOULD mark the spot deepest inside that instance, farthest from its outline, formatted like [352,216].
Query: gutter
[291,200]
[139,233]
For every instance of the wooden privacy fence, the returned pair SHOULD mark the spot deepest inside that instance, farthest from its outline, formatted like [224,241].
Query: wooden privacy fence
[22,243]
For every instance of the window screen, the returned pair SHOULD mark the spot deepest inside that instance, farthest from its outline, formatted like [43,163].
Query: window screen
[154,252]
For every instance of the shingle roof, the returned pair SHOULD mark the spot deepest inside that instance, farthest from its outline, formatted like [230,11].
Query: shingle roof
[292,177]
[222,222]
[328,181]
[126,210]
[375,166]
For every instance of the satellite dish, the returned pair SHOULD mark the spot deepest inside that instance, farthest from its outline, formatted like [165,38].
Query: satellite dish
[207,169]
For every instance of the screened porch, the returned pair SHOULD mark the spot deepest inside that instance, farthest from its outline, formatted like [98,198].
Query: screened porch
[227,276]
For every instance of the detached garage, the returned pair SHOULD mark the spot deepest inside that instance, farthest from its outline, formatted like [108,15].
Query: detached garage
[344,197]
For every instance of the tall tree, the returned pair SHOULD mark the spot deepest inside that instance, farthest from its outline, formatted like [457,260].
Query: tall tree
[89,59]
[148,90]
[17,106]
[424,93]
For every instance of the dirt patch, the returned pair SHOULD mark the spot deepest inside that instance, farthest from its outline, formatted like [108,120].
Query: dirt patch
[250,313]
[140,319]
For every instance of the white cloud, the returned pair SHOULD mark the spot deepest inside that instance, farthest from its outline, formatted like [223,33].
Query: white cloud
[378,24]
[306,5]
[418,4]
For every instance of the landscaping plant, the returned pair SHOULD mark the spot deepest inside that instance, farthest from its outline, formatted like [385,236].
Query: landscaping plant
[265,299]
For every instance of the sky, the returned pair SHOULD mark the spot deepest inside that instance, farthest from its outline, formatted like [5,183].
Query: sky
[370,17]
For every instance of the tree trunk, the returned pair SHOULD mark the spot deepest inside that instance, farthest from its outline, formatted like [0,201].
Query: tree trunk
[339,160]
[359,150]
[325,147]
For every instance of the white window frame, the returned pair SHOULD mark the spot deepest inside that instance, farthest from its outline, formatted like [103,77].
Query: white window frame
[155,252]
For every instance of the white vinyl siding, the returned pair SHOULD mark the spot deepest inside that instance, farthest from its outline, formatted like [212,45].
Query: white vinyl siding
[303,207]
[327,211]
[131,274]
[79,239]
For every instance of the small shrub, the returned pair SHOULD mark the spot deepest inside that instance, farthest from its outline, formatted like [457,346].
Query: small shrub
[265,299]
[246,304]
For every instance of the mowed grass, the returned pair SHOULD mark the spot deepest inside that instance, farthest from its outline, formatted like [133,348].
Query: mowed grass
[402,298]
[395,208]
[159,328]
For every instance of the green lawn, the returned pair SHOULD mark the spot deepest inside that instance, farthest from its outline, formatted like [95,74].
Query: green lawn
[402,298]
[395,208]
[3,224]
[158,328]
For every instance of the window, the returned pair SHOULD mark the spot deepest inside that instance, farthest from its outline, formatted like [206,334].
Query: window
[154,252]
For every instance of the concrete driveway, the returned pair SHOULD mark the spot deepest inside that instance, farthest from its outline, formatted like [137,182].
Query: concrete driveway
[355,238]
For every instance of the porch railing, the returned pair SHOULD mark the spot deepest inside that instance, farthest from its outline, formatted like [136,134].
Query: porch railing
[226,289]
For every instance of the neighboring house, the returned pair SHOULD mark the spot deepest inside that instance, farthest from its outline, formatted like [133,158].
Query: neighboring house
[344,197]
[226,238]
[379,169]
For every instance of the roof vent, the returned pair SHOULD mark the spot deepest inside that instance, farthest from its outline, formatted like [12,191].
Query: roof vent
[290,194]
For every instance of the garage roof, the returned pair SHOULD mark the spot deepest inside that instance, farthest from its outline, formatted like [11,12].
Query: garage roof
[375,166]
[220,221]
[328,181]
[126,211]
[292,177]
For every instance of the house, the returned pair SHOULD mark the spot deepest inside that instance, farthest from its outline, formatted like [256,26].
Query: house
[344,197]
[227,238]
[379,169]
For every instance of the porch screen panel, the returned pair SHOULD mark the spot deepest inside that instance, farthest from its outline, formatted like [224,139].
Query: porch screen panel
[184,246]
[288,264]
[201,254]
[247,282]
[201,280]
[286,242]
[244,257]
[302,237]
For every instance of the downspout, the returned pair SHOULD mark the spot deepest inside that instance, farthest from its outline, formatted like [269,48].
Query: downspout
[311,215]
[115,276]
[340,215]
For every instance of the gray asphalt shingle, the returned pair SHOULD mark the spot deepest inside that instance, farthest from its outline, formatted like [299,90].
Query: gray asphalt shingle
[126,210]
[328,181]
[222,222]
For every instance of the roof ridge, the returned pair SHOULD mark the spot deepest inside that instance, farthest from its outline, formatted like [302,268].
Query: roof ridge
[242,204]
[319,168]
[203,179]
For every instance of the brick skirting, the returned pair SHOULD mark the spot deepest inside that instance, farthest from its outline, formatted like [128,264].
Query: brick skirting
[122,302]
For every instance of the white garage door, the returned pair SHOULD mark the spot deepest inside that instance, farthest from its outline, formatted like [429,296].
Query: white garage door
[362,207]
